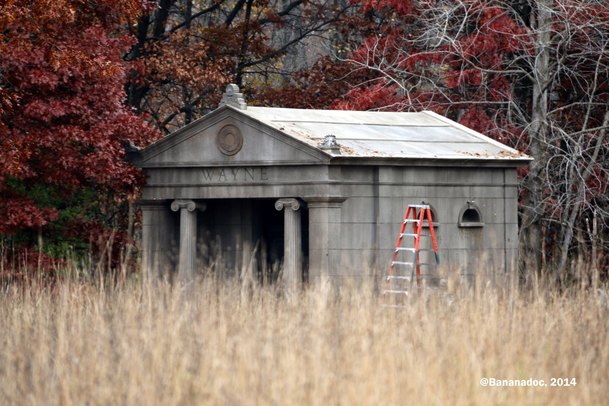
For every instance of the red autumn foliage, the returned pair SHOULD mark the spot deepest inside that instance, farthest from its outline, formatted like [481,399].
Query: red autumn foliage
[63,119]
[402,7]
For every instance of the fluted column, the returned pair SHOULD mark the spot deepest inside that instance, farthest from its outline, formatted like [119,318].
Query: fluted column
[188,237]
[292,243]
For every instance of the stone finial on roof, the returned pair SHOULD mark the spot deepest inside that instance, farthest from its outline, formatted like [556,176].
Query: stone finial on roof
[329,144]
[232,97]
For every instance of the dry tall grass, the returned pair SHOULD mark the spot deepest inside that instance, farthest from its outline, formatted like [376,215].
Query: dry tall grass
[80,344]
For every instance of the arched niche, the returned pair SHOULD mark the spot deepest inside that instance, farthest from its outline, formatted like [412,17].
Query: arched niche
[470,216]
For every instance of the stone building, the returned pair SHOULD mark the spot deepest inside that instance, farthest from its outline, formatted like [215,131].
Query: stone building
[323,192]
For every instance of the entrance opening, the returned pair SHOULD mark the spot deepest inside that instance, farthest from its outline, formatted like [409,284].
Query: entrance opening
[241,236]
[269,236]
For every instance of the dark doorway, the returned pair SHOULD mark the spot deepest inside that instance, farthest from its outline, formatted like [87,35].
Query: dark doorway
[269,236]
[245,235]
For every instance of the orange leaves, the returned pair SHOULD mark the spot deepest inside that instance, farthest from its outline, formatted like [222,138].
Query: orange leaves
[184,61]
[53,16]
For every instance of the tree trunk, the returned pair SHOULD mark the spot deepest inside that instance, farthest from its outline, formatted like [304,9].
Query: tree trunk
[531,235]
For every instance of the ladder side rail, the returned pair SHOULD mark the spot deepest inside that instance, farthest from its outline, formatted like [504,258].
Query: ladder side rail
[418,244]
[432,232]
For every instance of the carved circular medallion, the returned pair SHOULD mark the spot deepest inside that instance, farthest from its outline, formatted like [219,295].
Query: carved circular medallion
[229,140]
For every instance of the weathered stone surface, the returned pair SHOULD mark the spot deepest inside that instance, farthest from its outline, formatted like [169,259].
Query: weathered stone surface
[232,97]
[349,209]
[292,243]
[158,238]
[188,237]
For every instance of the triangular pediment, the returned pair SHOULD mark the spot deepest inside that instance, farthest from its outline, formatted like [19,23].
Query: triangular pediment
[227,137]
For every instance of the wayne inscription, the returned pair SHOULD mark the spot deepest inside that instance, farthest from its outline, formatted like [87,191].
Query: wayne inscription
[234,174]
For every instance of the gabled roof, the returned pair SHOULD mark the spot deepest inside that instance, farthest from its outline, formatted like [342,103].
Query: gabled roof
[366,134]
[299,136]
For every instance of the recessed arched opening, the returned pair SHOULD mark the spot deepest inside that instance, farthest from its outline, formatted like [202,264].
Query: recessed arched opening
[470,216]
[434,217]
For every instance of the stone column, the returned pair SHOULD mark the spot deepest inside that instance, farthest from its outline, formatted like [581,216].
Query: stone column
[292,243]
[324,236]
[156,238]
[188,237]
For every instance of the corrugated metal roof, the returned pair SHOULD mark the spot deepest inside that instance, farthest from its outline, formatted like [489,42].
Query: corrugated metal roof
[423,135]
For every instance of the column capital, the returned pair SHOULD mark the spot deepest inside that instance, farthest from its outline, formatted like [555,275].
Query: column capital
[189,205]
[290,202]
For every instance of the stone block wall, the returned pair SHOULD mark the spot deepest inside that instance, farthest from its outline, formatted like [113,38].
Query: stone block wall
[378,197]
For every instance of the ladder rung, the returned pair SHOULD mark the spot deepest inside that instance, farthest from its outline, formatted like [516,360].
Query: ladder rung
[410,265]
[390,277]
[410,221]
[422,206]
[401,263]
[412,249]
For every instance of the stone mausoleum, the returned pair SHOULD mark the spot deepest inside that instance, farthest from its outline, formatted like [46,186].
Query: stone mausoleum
[322,193]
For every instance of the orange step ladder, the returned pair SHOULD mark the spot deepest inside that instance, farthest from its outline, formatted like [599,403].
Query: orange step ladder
[397,282]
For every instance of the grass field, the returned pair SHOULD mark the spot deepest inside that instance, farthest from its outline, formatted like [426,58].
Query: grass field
[76,343]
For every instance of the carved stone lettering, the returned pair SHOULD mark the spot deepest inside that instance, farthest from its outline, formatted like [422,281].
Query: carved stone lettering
[208,175]
[235,172]
[234,175]
[222,176]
